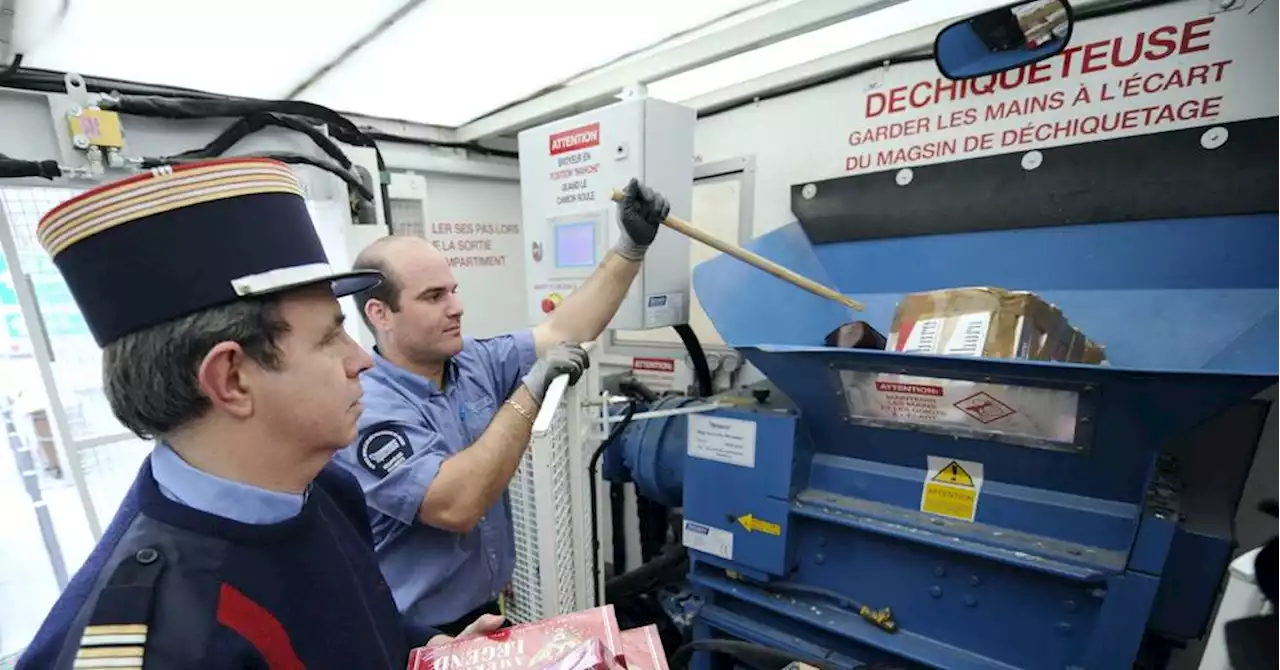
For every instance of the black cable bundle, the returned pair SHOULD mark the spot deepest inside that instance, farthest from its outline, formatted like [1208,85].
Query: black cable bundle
[13,168]
[12,68]
[256,115]
[255,121]
[751,654]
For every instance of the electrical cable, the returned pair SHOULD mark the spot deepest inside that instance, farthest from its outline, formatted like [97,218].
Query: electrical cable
[591,479]
[670,566]
[750,652]
[51,81]
[702,371]
[472,147]
[796,587]
[882,618]
[288,158]
[41,80]
[636,388]
[256,121]
[339,126]
[12,69]
[13,168]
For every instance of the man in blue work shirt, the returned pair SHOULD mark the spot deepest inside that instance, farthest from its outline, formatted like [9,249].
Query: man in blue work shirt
[447,418]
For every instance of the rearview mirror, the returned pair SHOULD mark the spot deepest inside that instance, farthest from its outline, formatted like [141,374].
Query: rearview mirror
[1003,39]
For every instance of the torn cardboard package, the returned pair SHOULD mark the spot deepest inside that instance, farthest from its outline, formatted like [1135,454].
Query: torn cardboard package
[990,323]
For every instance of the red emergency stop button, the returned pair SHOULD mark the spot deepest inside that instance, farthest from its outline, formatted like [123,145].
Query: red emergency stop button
[550,303]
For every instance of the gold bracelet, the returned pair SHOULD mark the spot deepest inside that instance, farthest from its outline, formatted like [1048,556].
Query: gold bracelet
[520,410]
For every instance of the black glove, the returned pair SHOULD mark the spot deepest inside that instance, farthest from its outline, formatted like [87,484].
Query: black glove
[640,213]
[563,359]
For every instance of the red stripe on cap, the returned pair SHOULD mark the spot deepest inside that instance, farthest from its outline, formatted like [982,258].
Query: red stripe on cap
[256,625]
[143,176]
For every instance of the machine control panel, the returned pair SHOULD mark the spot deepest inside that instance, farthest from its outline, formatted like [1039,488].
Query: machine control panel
[568,171]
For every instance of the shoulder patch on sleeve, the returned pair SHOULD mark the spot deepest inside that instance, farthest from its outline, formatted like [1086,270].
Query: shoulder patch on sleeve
[383,448]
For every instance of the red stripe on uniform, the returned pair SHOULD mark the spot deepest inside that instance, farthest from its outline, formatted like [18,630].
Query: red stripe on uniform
[256,625]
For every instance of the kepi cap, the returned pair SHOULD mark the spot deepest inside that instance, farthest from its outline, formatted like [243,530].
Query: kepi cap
[178,240]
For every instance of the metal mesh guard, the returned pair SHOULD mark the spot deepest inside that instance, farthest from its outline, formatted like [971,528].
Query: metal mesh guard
[549,498]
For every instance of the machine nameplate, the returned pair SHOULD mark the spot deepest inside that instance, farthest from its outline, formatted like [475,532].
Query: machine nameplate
[715,438]
[661,308]
[714,541]
[952,488]
[1042,414]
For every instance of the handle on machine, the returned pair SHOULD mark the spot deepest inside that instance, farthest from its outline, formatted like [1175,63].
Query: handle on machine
[550,403]
[753,259]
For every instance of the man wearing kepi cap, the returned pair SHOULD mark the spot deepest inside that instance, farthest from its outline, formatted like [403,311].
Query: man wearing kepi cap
[238,545]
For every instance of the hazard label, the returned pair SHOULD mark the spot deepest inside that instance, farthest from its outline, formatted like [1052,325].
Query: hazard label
[952,488]
[952,473]
[984,407]
[960,406]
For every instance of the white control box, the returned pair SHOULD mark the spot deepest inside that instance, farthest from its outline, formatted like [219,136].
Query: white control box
[568,170]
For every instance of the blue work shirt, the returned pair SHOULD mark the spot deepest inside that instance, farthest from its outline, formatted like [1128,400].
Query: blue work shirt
[181,482]
[408,428]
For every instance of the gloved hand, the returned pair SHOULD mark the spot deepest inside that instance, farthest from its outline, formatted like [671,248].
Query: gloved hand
[640,213]
[562,359]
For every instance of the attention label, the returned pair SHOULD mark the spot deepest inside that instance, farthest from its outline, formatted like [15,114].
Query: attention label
[574,139]
[952,488]
[962,407]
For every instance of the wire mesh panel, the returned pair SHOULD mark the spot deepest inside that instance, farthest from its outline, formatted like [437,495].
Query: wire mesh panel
[550,510]
[77,360]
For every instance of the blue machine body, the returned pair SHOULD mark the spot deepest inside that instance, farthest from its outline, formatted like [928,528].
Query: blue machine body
[644,455]
[1076,552]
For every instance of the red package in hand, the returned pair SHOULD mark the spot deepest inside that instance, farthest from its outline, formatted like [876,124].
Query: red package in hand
[643,650]
[590,655]
[530,646]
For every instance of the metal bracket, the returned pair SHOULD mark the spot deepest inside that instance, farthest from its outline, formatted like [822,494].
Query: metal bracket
[77,91]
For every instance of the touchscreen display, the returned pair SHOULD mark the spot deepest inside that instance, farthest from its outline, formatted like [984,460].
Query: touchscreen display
[576,245]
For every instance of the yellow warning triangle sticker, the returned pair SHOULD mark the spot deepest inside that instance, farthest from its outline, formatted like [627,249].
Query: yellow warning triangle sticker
[953,474]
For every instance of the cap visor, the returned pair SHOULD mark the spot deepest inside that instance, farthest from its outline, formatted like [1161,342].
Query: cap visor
[343,283]
[354,282]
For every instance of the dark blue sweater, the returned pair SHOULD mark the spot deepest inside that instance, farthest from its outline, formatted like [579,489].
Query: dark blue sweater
[216,593]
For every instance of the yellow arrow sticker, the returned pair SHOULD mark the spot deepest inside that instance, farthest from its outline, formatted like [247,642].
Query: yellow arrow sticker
[755,525]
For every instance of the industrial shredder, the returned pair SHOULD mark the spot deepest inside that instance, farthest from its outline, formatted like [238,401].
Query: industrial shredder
[1093,536]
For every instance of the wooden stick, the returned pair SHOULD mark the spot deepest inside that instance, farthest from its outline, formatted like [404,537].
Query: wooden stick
[753,259]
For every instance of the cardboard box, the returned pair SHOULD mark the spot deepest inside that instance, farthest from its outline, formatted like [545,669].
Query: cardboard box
[988,322]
